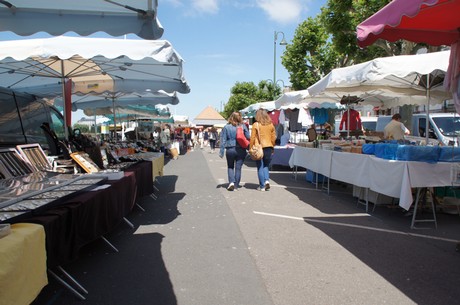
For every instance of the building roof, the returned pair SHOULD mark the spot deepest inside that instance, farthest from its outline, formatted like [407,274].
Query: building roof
[209,113]
[209,116]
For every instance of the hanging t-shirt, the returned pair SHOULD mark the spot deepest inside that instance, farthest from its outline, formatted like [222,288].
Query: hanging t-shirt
[274,115]
[320,115]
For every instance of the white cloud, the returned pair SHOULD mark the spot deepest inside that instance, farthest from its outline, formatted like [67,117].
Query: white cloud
[205,6]
[174,3]
[285,11]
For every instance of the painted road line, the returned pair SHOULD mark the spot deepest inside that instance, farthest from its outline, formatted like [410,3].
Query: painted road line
[355,226]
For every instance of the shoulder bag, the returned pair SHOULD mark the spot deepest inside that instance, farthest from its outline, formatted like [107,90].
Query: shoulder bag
[241,138]
[255,151]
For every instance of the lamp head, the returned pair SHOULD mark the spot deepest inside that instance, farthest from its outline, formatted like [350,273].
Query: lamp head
[283,42]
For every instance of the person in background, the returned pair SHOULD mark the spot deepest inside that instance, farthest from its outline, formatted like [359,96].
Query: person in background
[234,153]
[200,138]
[206,137]
[165,137]
[212,135]
[395,130]
[264,129]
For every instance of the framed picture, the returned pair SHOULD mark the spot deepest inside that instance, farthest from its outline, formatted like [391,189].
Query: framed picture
[34,154]
[12,164]
[85,162]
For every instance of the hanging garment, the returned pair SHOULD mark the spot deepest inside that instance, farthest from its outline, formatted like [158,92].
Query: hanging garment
[355,120]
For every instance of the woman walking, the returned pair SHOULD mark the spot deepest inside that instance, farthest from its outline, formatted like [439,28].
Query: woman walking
[234,153]
[212,135]
[264,130]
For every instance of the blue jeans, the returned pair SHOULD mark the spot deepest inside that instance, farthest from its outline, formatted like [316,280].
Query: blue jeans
[235,158]
[263,166]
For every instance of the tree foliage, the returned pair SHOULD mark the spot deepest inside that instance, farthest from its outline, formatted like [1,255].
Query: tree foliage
[247,93]
[321,44]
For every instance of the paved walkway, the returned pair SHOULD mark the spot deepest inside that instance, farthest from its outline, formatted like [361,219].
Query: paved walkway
[199,244]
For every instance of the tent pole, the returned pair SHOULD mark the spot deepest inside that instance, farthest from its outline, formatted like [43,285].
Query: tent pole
[348,117]
[66,131]
[114,119]
[427,123]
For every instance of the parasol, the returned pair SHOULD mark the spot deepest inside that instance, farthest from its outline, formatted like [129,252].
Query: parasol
[94,65]
[84,17]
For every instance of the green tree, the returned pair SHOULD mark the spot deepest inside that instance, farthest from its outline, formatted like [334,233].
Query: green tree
[328,41]
[246,93]
[83,128]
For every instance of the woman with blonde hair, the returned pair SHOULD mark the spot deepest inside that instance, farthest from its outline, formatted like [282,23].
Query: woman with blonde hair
[234,153]
[264,130]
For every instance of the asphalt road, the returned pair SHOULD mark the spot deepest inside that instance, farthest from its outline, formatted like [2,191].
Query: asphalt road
[199,244]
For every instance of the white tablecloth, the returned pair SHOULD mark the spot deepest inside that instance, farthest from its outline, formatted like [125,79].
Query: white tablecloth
[388,177]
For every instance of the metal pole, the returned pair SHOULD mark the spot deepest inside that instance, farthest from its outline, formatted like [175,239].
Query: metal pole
[66,131]
[274,66]
[427,125]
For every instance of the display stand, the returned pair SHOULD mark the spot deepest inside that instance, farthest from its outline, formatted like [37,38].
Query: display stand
[422,194]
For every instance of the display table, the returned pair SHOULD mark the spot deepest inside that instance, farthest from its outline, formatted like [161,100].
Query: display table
[92,214]
[392,178]
[281,155]
[143,176]
[22,264]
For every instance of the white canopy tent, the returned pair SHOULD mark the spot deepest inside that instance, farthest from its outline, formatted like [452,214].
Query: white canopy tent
[84,17]
[397,80]
[269,106]
[94,66]
[94,102]
[402,77]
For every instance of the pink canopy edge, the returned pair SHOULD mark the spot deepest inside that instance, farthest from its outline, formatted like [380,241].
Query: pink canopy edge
[426,21]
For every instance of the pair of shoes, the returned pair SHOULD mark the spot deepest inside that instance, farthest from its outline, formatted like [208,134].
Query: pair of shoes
[231,187]
[267,185]
[261,189]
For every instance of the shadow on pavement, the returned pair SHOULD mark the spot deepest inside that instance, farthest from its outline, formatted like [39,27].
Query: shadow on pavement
[140,275]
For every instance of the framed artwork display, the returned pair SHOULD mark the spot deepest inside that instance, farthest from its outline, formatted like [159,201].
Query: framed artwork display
[85,162]
[12,164]
[34,154]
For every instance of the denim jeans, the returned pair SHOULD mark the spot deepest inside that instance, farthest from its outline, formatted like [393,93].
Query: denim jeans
[235,158]
[263,166]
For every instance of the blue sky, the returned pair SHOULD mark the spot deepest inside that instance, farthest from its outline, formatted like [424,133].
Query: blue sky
[224,42]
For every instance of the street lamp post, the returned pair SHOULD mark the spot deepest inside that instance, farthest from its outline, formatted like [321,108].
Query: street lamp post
[282,43]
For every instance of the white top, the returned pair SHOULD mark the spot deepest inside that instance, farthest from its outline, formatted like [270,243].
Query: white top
[395,130]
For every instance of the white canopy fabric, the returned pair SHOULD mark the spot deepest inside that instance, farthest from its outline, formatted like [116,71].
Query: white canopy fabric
[398,79]
[94,102]
[121,112]
[269,106]
[303,99]
[85,17]
[95,65]
[291,97]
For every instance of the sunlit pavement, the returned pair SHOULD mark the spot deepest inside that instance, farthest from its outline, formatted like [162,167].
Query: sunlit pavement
[294,244]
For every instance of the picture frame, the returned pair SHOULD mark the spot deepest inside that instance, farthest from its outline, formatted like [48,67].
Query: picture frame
[35,156]
[85,162]
[12,164]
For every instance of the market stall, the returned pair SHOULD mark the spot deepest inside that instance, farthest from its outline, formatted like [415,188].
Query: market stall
[393,178]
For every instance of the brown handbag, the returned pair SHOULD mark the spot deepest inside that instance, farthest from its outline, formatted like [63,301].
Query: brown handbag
[256,151]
